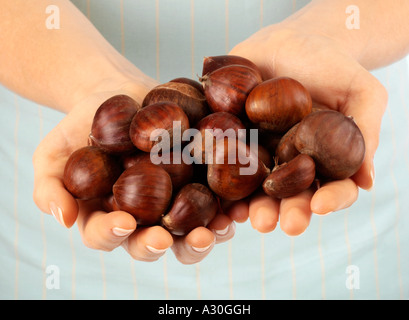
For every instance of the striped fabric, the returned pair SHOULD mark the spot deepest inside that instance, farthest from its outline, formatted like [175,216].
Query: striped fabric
[358,253]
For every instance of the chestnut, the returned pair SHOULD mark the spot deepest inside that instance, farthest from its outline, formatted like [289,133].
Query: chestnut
[290,178]
[230,177]
[145,191]
[90,173]
[110,126]
[265,156]
[185,95]
[151,122]
[334,141]
[278,104]
[194,206]
[216,62]
[269,140]
[180,172]
[195,84]
[226,89]
[286,149]
[217,125]
[108,203]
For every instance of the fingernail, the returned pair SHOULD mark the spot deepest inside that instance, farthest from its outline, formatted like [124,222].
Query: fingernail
[222,232]
[373,174]
[120,232]
[156,251]
[201,250]
[57,213]
[323,214]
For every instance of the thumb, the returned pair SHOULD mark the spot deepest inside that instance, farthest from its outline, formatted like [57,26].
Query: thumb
[49,194]
[367,103]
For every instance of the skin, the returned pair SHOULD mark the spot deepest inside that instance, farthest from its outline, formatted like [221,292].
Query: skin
[291,48]
[314,47]
[77,87]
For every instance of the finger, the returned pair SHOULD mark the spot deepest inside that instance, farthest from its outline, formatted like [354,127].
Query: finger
[367,103]
[195,246]
[223,227]
[295,213]
[237,211]
[49,192]
[263,212]
[101,230]
[51,197]
[334,196]
[148,243]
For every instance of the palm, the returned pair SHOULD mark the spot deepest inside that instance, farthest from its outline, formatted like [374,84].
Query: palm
[334,79]
[96,226]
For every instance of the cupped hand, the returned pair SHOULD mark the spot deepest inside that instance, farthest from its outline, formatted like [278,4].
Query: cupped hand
[99,229]
[334,79]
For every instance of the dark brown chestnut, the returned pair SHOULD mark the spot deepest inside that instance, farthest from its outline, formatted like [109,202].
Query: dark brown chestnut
[110,126]
[278,104]
[235,170]
[191,82]
[194,206]
[226,89]
[185,95]
[145,191]
[90,173]
[108,203]
[290,178]
[334,141]
[269,140]
[265,156]
[155,122]
[317,106]
[180,172]
[213,127]
[286,149]
[216,62]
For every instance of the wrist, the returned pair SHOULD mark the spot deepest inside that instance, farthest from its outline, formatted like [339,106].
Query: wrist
[312,24]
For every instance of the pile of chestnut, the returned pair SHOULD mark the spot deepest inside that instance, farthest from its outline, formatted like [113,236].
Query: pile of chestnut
[296,144]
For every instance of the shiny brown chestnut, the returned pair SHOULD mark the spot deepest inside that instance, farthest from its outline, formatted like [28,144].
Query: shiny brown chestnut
[90,173]
[235,171]
[110,126]
[216,62]
[334,141]
[157,121]
[194,206]
[213,127]
[145,191]
[191,82]
[180,172]
[278,104]
[185,95]
[290,178]
[269,140]
[226,89]
[108,203]
[286,149]
[265,156]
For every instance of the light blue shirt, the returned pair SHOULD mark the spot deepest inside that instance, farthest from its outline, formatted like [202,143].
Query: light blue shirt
[358,253]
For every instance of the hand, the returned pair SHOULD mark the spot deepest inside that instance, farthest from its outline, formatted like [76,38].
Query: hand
[323,65]
[108,230]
